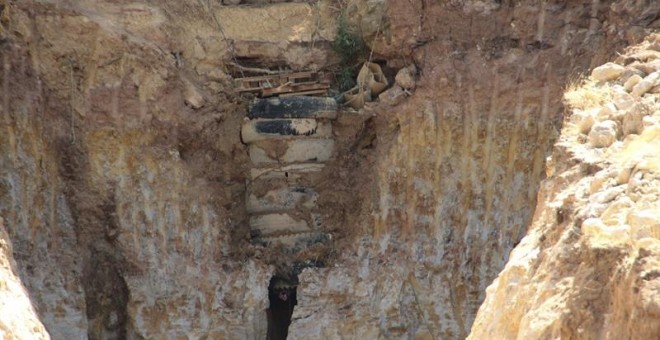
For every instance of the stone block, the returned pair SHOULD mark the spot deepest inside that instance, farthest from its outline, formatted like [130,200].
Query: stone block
[281,199]
[262,129]
[291,172]
[274,224]
[292,151]
[293,241]
[293,107]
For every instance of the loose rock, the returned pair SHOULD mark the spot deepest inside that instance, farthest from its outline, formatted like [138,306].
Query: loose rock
[600,235]
[406,77]
[631,82]
[603,134]
[623,176]
[633,120]
[584,120]
[392,96]
[655,89]
[193,96]
[607,112]
[651,66]
[608,71]
[617,212]
[629,72]
[622,100]
[646,84]
[645,223]
[649,121]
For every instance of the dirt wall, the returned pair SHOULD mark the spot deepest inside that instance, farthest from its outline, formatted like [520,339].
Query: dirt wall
[123,174]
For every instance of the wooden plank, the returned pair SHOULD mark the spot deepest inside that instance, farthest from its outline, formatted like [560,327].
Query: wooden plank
[279,76]
[308,83]
[305,93]
[291,88]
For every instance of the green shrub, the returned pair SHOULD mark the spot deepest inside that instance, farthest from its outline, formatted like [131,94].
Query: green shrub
[348,43]
[350,47]
[346,78]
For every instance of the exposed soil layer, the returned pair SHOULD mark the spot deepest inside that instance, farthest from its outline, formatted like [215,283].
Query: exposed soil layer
[122,174]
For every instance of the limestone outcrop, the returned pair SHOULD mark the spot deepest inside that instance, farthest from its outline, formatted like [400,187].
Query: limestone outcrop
[589,266]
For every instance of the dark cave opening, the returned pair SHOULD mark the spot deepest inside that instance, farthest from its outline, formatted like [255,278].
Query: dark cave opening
[282,299]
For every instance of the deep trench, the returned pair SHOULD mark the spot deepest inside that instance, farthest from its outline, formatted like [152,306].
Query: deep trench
[106,292]
[282,299]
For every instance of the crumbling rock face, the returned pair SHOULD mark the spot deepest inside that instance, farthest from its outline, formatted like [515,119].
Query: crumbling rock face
[588,267]
[38,218]
[122,175]
[111,185]
[458,164]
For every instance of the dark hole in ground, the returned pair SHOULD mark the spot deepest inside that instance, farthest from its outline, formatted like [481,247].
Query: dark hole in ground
[282,299]
[389,72]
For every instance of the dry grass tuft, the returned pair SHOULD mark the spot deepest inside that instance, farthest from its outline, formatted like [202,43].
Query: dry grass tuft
[584,94]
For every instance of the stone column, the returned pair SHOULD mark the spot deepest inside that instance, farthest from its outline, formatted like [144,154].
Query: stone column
[290,139]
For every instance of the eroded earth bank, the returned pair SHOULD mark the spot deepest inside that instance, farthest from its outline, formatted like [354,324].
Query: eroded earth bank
[123,174]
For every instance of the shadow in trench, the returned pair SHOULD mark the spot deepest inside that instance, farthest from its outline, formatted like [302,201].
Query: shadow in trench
[282,299]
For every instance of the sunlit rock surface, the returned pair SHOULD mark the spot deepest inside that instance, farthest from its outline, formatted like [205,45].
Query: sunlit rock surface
[589,266]
[19,320]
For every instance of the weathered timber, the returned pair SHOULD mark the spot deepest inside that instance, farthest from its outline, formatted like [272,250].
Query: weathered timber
[306,93]
[295,89]
[284,83]
[293,107]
